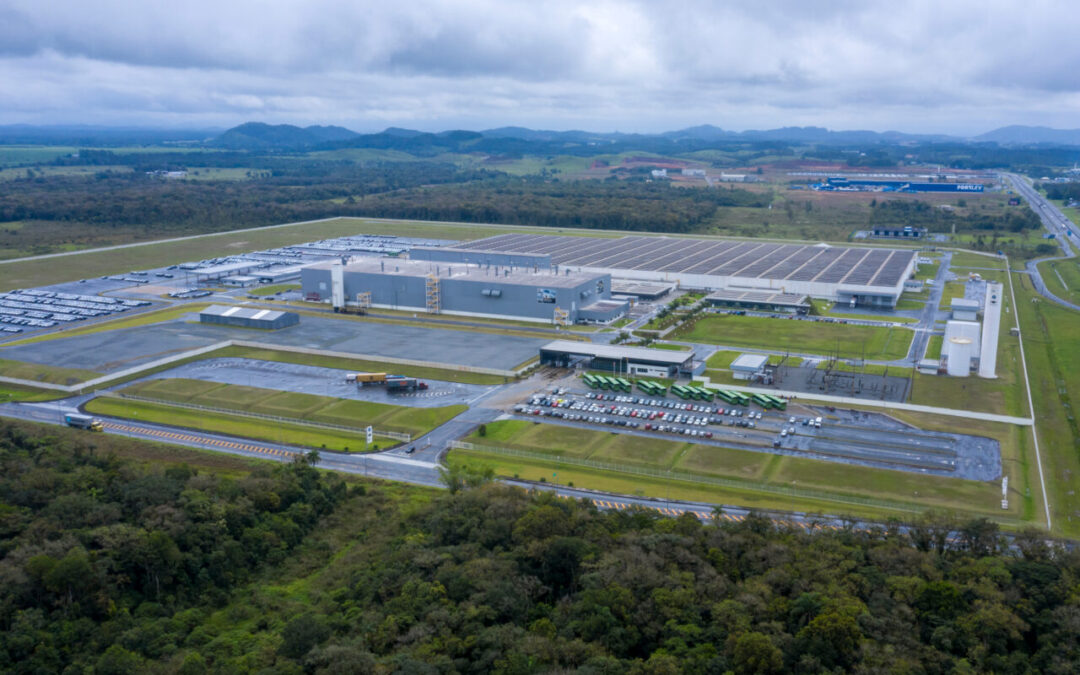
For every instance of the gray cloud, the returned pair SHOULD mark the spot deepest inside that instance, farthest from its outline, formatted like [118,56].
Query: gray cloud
[961,66]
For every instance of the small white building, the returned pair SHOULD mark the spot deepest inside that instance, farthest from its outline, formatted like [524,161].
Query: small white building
[748,366]
[700,173]
[965,310]
[733,177]
[659,173]
[961,346]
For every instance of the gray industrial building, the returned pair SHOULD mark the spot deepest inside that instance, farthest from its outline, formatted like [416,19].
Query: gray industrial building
[871,277]
[510,292]
[635,361]
[248,317]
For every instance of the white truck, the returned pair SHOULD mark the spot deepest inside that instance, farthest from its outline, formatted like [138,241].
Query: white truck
[83,422]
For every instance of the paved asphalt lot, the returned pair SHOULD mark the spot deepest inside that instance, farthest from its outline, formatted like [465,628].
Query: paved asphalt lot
[109,351]
[318,381]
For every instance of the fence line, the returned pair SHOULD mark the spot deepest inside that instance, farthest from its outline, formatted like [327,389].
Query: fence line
[396,435]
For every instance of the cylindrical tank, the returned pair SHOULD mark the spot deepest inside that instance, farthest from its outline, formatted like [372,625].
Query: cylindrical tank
[959,356]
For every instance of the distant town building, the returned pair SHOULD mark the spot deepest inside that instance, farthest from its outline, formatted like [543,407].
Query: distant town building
[659,173]
[733,177]
[700,173]
[906,232]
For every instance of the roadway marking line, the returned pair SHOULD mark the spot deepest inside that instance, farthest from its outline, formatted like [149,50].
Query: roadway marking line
[196,439]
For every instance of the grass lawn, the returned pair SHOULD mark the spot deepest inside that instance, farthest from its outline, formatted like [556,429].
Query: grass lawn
[908,304]
[37,372]
[13,392]
[1052,347]
[870,342]
[968,259]
[953,289]
[274,290]
[223,423]
[933,347]
[324,409]
[1062,277]
[722,359]
[928,271]
[748,478]
[669,346]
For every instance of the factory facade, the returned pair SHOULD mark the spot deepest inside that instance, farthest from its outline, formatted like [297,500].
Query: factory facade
[481,289]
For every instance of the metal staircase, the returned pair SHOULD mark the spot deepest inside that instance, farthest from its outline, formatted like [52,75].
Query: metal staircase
[432,294]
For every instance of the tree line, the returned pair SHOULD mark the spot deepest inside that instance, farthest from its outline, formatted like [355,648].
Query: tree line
[118,566]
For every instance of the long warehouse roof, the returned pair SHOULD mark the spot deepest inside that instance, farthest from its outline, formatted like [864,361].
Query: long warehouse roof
[792,262]
[618,353]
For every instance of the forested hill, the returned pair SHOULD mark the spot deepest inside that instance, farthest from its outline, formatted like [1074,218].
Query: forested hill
[114,566]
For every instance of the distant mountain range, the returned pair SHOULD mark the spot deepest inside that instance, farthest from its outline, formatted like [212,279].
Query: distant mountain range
[1020,135]
[258,136]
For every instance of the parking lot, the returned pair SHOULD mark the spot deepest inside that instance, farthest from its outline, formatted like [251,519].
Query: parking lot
[34,309]
[866,439]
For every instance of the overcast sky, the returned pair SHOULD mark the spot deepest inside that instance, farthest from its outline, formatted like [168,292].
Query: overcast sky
[938,66]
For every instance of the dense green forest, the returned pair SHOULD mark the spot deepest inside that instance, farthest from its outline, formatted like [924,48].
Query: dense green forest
[610,204]
[1066,191]
[992,230]
[114,207]
[116,565]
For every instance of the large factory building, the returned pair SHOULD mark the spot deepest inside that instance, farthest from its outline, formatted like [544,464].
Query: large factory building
[872,277]
[530,293]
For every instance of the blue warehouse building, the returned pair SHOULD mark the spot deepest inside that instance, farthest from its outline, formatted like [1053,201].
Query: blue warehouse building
[842,183]
[531,293]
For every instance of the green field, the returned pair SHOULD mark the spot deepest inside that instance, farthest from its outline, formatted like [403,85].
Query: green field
[235,425]
[324,409]
[1062,278]
[762,479]
[37,372]
[1052,347]
[967,259]
[933,347]
[953,289]
[669,346]
[809,337]
[930,271]
[274,290]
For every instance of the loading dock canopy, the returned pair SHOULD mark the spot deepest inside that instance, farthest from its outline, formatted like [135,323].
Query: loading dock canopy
[766,299]
[659,357]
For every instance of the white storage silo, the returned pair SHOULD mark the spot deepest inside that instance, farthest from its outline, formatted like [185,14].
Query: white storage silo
[958,356]
[337,286]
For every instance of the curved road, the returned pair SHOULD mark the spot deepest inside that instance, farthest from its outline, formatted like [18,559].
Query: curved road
[397,465]
[1057,223]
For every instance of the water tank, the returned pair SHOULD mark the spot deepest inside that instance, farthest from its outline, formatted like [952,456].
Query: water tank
[959,356]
